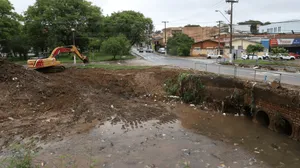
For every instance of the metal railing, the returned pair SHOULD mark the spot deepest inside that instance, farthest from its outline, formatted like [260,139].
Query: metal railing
[250,74]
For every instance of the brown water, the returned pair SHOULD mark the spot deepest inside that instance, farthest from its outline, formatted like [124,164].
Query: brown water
[275,149]
[199,139]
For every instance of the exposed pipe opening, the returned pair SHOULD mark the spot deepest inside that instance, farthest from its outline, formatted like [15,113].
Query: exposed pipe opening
[283,126]
[247,112]
[263,118]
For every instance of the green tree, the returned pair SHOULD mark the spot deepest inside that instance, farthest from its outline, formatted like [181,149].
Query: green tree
[49,23]
[118,45]
[9,25]
[279,50]
[190,25]
[94,44]
[254,25]
[252,49]
[180,44]
[134,25]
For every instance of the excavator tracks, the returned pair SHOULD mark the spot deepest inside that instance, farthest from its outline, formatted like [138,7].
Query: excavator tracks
[53,69]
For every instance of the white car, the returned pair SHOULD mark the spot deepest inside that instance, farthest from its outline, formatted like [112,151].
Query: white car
[149,50]
[287,57]
[253,57]
[211,56]
[162,50]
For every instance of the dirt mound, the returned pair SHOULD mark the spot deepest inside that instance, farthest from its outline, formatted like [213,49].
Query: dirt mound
[49,106]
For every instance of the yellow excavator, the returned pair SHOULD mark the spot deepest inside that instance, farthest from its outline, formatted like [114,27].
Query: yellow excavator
[50,64]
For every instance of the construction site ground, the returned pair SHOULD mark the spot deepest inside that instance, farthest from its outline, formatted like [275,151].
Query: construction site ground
[118,118]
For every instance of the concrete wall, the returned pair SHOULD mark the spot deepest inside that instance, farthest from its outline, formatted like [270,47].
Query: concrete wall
[240,96]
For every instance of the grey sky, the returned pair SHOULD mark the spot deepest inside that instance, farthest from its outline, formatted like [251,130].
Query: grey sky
[182,12]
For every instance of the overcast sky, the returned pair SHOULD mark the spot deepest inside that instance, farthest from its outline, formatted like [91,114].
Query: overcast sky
[202,12]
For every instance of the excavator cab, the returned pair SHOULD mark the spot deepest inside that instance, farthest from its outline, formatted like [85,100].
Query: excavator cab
[50,64]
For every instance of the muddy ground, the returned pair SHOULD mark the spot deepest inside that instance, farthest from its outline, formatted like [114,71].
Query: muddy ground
[50,106]
[106,118]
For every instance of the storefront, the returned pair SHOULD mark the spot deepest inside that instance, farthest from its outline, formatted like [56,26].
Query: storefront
[292,45]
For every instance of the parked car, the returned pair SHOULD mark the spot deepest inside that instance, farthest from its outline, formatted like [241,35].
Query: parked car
[297,56]
[287,57]
[211,56]
[253,57]
[162,50]
[141,50]
[149,50]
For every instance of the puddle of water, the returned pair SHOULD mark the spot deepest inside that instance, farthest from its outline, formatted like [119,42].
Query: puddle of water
[275,149]
[233,141]
[151,144]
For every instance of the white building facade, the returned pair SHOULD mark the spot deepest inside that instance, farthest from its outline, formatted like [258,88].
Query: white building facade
[281,27]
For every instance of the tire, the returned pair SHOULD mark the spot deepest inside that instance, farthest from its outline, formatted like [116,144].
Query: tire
[292,58]
[219,57]
[208,57]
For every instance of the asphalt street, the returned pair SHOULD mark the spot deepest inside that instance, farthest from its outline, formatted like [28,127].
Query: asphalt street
[212,66]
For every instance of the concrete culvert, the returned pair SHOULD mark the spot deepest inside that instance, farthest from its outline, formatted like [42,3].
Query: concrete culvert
[263,118]
[283,126]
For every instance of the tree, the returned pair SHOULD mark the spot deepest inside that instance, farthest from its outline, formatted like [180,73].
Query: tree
[134,25]
[118,45]
[279,50]
[180,44]
[49,23]
[9,25]
[190,25]
[254,25]
[267,23]
[255,48]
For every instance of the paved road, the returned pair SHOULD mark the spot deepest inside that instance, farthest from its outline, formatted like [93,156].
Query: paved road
[211,66]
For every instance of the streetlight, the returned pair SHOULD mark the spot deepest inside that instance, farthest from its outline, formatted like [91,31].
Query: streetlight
[73,32]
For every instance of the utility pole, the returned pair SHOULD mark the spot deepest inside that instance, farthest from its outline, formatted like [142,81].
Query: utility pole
[231,25]
[165,22]
[219,47]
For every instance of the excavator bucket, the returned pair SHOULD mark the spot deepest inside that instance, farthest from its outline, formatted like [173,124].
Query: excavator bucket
[86,60]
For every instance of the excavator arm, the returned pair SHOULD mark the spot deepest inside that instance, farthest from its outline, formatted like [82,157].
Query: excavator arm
[51,64]
[68,49]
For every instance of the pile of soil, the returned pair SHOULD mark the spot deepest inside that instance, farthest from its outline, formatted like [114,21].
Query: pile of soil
[50,106]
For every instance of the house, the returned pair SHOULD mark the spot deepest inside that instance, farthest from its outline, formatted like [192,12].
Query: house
[205,47]
[239,46]
[196,33]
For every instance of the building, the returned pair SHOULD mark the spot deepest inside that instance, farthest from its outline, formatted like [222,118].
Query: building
[241,28]
[200,33]
[288,27]
[196,33]
[291,44]
[240,45]
[205,47]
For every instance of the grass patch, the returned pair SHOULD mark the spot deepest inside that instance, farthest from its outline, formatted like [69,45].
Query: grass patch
[93,57]
[112,67]
[21,158]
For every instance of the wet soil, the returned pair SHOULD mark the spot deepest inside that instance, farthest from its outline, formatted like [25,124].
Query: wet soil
[51,106]
[105,118]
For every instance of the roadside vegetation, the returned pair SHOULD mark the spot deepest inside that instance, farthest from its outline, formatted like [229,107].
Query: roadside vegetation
[179,45]
[33,33]
[192,92]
